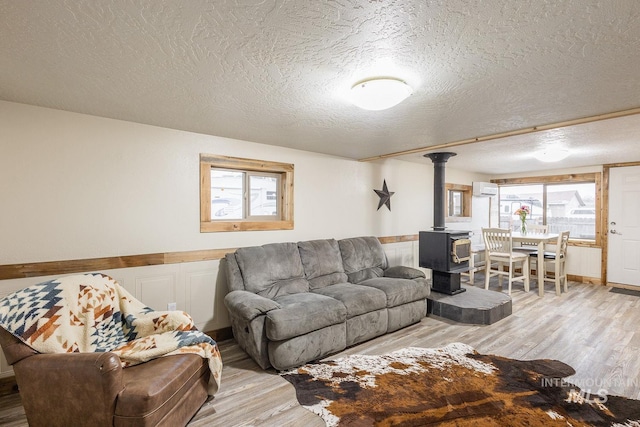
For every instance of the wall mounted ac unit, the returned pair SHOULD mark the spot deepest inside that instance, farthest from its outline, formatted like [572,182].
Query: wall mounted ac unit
[485,189]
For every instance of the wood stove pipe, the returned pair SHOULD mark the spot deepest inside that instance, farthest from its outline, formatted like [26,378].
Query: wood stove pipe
[439,199]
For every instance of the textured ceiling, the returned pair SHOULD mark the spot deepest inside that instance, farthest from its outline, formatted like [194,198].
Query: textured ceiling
[277,72]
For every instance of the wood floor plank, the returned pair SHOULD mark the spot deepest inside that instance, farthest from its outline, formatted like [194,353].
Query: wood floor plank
[596,332]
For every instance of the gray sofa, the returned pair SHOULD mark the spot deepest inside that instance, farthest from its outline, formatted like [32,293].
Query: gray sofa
[291,303]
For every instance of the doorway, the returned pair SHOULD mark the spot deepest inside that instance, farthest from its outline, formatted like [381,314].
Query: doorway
[623,227]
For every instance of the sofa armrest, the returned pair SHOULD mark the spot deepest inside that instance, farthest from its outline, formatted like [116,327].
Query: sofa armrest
[248,305]
[69,388]
[402,272]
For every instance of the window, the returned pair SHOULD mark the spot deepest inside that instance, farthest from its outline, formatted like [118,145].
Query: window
[243,194]
[455,203]
[458,202]
[566,202]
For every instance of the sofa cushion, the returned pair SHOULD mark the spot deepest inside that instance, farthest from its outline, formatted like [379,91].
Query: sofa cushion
[357,299]
[363,258]
[272,270]
[153,388]
[399,291]
[302,313]
[322,262]
[402,272]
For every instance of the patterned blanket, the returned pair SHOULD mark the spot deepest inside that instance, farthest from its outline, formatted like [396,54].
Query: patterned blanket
[93,313]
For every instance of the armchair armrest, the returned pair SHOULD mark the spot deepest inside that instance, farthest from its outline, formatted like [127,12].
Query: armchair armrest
[402,272]
[70,388]
[248,305]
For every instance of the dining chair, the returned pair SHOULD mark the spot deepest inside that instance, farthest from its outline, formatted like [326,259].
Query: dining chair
[558,259]
[532,247]
[498,246]
[474,266]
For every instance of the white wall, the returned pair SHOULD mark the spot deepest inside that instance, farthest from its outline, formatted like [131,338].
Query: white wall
[77,186]
[480,206]
[74,186]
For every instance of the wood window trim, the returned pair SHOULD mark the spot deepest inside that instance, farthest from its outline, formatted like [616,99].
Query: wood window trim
[595,177]
[467,192]
[285,170]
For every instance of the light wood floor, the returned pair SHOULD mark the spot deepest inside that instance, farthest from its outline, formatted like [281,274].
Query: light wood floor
[593,330]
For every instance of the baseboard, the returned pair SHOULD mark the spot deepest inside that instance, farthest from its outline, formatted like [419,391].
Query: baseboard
[8,385]
[584,279]
[623,286]
[221,334]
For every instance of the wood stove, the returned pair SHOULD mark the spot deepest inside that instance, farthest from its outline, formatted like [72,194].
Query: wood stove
[446,253]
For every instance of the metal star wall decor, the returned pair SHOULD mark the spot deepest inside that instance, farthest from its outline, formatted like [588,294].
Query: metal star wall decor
[385,195]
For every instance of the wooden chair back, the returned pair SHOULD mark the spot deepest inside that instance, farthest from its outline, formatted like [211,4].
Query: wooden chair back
[535,229]
[562,244]
[497,240]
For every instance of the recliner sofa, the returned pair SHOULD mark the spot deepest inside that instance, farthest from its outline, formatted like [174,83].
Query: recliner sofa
[291,303]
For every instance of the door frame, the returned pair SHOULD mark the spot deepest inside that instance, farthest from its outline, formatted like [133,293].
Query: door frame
[604,234]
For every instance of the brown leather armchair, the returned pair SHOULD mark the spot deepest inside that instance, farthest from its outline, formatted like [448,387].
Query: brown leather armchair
[92,389]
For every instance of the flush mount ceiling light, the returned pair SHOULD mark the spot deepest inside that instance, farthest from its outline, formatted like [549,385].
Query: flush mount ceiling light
[552,155]
[379,93]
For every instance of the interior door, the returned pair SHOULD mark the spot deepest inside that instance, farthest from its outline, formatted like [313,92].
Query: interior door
[623,251]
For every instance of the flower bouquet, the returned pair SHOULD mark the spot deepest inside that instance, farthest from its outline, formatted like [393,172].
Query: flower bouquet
[523,211]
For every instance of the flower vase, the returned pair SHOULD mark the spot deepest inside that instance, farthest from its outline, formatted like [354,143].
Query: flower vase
[523,227]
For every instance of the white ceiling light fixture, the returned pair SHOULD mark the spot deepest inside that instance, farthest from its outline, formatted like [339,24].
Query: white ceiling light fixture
[379,93]
[549,155]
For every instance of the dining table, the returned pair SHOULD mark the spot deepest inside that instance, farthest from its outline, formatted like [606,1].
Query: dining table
[540,239]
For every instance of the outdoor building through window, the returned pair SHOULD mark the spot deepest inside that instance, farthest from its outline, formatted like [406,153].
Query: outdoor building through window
[562,203]
[244,194]
[455,203]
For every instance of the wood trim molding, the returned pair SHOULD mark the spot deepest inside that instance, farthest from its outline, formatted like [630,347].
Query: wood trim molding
[516,132]
[584,279]
[8,385]
[467,191]
[52,268]
[219,335]
[398,239]
[604,239]
[621,165]
[547,179]
[283,170]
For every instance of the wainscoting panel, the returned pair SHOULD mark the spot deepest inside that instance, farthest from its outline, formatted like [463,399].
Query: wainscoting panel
[584,261]
[197,287]
[400,253]
[404,253]
[193,286]
[205,288]
[157,291]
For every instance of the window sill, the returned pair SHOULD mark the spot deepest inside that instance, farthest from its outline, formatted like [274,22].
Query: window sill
[212,227]
[458,219]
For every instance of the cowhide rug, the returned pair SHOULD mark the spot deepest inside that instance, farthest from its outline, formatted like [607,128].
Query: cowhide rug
[453,386]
